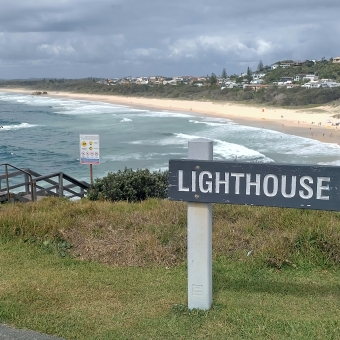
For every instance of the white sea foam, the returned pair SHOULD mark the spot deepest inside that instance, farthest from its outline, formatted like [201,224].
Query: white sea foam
[163,114]
[137,110]
[333,163]
[217,119]
[132,157]
[222,150]
[230,151]
[315,150]
[172,154]
[124,120]
[177,139]
[299,146]
[89,109]
[137,142]
[208,123]
[17,126]
[67,106]
[159,167]
[125,157]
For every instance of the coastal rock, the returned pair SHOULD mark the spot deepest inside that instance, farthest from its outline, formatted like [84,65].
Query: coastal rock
[37,93]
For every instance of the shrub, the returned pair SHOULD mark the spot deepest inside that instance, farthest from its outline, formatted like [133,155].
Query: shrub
[129,185]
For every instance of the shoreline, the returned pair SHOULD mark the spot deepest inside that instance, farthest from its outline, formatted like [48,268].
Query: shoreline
[299,122]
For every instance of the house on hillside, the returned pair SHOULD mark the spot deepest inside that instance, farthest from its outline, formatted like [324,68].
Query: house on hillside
[336,60]
[285,65]
[312,85]
[170,82]
[284,80]
[299,77]
[311,77]
[142,80]
[257,81]
[187,80]
[257,76]
[330,84]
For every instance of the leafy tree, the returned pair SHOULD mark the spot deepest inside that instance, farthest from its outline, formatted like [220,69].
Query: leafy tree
[249,76]
[260,66]
[213,79]
[309,63]
[224,74]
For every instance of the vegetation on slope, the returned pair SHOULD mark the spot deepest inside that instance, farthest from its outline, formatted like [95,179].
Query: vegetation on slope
[272,95]
[153,232]
[324,69]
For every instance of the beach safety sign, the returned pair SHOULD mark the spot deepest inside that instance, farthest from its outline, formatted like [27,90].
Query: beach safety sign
[89,149]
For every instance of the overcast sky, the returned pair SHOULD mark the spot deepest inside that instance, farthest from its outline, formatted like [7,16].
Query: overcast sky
[117,38]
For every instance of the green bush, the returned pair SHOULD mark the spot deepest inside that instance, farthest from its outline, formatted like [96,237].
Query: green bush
[130,185]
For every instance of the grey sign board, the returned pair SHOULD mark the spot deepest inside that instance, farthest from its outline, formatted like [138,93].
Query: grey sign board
[261,184]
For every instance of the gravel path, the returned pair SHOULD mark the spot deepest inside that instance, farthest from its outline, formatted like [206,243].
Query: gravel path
[8,333]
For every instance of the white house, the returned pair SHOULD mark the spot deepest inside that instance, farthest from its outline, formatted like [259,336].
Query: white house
[299,77]
[312,85]
[285,65]
[311,77]
[261,75]
[330,84]
[257,81]
[171,82]
[142,80]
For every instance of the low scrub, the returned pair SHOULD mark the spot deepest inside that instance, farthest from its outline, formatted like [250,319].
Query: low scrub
[153,232]
[130,185]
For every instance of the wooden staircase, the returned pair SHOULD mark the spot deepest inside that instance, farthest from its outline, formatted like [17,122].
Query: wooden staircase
[31,186]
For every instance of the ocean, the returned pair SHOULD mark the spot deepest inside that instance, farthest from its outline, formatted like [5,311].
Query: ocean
[42,134]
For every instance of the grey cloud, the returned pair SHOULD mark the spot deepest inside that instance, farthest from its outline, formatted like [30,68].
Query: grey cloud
[74,38]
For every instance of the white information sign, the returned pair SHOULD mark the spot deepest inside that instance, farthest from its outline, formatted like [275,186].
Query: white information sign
[89,149]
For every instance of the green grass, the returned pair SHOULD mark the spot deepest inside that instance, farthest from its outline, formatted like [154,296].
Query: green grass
[84,300]
[153,232]
[101,270]
[316,111]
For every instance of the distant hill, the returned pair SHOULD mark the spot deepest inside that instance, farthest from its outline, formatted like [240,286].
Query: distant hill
[269,95]
[324,69]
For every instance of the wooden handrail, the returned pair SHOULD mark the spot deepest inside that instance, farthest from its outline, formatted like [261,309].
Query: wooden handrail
[35,178]
[20,170]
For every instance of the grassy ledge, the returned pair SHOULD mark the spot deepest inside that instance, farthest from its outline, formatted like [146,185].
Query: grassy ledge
[100,270]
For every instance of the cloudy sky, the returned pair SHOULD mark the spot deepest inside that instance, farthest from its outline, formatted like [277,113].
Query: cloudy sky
[117,38]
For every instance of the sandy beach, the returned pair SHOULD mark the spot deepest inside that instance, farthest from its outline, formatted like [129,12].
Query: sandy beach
[315,123]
